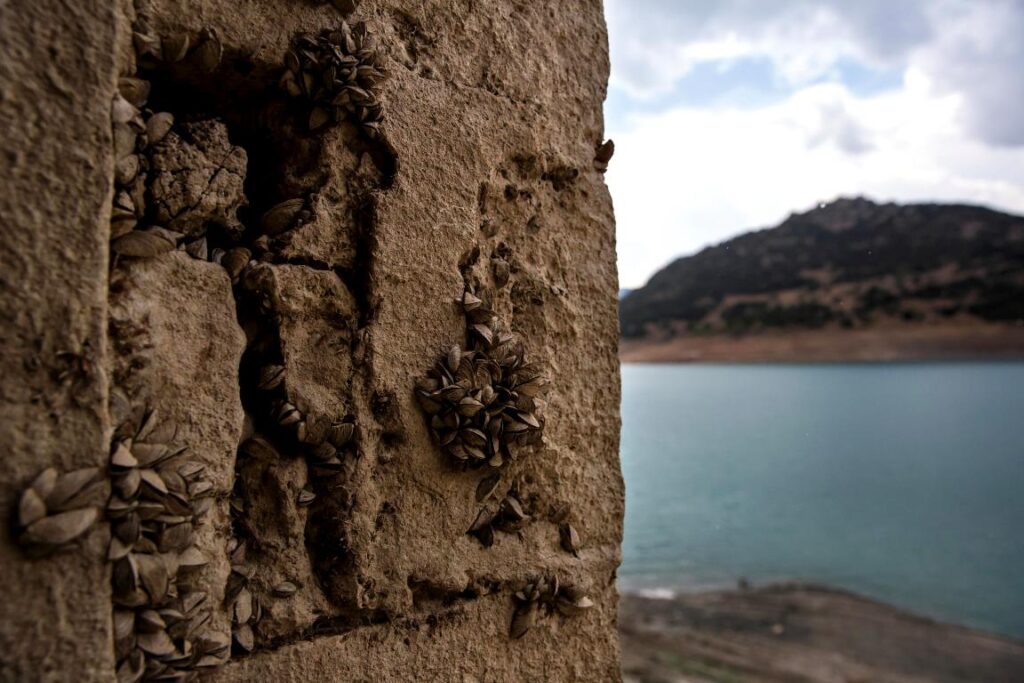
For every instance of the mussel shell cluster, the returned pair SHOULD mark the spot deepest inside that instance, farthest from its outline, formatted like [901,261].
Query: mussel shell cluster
[544,596]
[322,439]
[58,509]
[240,597]
[276,228]
[339,73]
[160,201]
[142,225]
[245,607]
[161,616]
[203,49]
[486,399]
[136,130]
[509,516]
[171,643]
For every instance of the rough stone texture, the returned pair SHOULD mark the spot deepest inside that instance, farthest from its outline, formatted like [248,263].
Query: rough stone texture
[492,116]
[57,73]
[329,239]
[197,179]
[185,364]
[318,319]
[464,645]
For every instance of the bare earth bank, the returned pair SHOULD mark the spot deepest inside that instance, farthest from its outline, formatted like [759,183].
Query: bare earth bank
[802,633]
[882,343]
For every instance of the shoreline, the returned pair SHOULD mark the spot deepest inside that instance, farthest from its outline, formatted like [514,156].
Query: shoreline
[796,631]
[889,343]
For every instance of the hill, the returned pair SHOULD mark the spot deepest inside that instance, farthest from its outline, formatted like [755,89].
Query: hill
[852,269]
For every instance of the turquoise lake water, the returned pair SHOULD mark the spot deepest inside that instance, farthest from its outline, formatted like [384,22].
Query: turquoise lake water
[903,482]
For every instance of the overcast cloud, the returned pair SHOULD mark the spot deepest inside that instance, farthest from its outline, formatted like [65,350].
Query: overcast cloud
[730,114]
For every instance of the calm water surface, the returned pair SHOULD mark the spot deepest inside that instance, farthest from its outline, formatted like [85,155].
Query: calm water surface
[901,482]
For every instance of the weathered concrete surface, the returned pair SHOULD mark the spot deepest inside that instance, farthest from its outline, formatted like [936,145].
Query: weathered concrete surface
[57,72]
[465,645]
[184,363]
[454,131]
[492,115]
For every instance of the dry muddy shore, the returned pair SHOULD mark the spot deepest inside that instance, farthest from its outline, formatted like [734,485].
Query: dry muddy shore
[802,633]
[879,344]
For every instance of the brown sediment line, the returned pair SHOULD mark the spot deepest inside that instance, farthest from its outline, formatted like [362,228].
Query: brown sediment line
[876,344]
[797,632]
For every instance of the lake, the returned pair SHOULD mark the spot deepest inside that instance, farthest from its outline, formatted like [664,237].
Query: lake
[902,482]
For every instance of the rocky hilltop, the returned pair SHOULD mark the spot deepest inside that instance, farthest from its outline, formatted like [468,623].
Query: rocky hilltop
[852,279]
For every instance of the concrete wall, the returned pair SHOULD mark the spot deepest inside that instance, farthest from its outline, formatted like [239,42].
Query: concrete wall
[354,562]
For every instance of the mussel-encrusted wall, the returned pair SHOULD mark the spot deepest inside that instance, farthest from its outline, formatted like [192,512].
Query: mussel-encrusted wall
[309,342]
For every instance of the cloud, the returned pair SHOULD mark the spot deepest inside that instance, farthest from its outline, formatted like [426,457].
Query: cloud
[692,176]
[971,48]
[837,126]
[730,114]
[656,42]
[980,54]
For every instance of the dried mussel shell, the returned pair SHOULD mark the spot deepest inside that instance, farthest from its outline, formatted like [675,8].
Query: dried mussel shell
[483,400]
[283,216]
[603,155]
[569,537]
[510,516]
[57,509]
[542,597]
[162,625]
[340,73]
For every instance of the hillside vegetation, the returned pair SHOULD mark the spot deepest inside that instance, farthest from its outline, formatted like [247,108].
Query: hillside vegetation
[851,264]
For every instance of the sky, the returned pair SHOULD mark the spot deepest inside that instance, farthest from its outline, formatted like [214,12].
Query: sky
[729,115]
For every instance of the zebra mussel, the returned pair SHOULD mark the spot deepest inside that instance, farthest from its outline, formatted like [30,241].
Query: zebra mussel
[322,438]
[339,73]
[204,49]
[161,616]
[543,597]
[483,400]
[570,538]
[58,509]
[169,184]
[243,604]
[603,155]
[509,516]
[285,216]
[136,130]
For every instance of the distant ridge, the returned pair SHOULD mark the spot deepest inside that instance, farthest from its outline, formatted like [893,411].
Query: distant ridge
[847,263]
[851,264]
